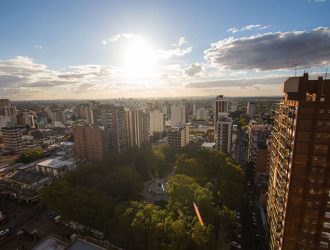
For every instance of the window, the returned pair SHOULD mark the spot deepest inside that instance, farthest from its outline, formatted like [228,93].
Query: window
[313,169]
[316,147]
[325,147]
[328,111]
[321,111]
[327,215]
[318,135]
[320,123]
[320,181]
[326,135]
[328,123]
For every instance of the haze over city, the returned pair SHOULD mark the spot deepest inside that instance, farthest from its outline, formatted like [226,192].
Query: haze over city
[110,49]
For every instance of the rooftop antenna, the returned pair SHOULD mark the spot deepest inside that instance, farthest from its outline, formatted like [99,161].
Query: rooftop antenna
[295,70]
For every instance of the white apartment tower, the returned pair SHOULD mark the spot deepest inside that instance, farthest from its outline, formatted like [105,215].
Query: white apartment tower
[156,121]
[178,114]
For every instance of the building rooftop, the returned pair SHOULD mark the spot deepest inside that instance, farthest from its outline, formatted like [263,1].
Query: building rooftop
[26,177]
[55,162]
[81,244]
[50,243]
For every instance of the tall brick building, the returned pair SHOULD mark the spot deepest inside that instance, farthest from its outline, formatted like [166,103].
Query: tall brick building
[89,142]
[299,190]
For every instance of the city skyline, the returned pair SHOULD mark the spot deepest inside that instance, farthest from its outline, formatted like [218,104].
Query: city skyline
[107,49]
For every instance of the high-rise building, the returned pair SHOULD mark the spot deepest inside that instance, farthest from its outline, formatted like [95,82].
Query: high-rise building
[178,114]
[85,111]
[251,109]
[257,136]
[223,134]
[136,128]
[298,204]
[7,113]
[220,107]
[202,114]
[156,121]
[113,120]
[89,142]
[25,119]
[178,136]
[12,138]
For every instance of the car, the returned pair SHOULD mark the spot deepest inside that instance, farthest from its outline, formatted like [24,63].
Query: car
[51,215]
[4,232]
[236,245]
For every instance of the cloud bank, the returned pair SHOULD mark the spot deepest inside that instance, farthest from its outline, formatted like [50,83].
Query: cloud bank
[272,51]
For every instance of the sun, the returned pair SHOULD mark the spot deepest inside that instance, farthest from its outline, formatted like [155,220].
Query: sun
[139,59]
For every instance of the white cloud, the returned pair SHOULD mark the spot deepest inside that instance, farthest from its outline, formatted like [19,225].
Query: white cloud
[193,69]
[121,36]
[38,46]
[317,1]
[178,51]
[248,28]
[272,51]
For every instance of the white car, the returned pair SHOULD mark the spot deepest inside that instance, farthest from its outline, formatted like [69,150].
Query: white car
[4,232]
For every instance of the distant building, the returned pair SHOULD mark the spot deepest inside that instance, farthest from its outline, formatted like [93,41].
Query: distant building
[178,114]
[12,138]
[156,121]
[223,134]
[89,142]
[178,137]
[234,145]
[220,107]
[257,137]
[136,128]
[233,107]
[251,109]
[202,114]
[57,116]
[7,113]
[25,119]
[298,204]
[85,111]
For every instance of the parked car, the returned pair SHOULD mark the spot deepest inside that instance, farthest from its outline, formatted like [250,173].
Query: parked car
[51,215]
[4,232]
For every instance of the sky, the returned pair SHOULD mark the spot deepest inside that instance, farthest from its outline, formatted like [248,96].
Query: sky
[96,49]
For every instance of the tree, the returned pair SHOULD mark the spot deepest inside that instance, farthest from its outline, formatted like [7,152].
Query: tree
[30,156]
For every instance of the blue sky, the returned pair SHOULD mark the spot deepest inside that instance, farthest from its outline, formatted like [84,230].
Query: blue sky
[61,38]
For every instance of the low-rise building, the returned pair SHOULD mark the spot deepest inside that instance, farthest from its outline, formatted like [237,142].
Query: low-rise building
[56,167]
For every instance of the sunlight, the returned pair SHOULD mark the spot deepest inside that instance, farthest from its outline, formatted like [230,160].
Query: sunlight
[139,59]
